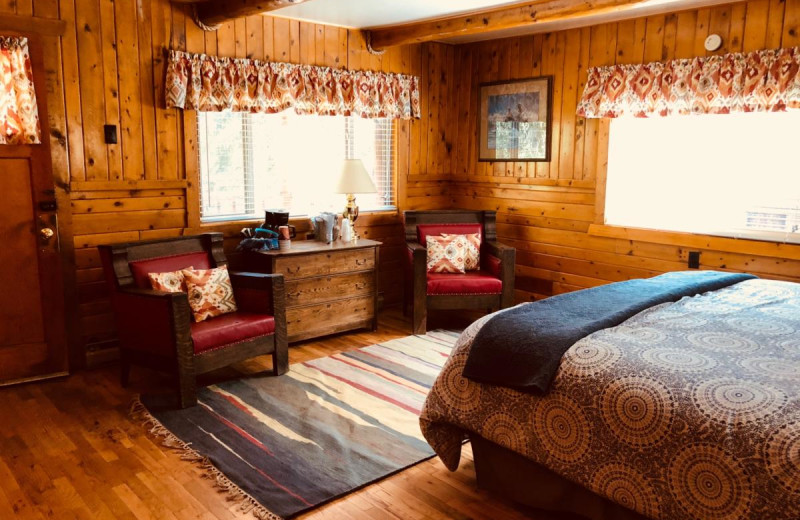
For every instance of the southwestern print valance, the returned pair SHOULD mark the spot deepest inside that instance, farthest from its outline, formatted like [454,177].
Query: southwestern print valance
[760,81]
[212,84]
[19,115]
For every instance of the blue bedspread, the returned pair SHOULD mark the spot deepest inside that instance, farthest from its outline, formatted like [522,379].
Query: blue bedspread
[522,348]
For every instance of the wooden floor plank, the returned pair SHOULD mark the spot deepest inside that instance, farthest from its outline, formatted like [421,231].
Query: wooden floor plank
[72,450]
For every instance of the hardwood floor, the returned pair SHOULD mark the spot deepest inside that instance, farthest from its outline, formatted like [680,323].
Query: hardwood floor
[69,449]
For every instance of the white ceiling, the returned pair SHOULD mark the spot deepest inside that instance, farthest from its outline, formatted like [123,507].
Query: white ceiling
[370,14]
[362,14]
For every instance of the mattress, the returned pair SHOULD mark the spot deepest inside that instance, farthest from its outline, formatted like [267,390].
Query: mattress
[688,410]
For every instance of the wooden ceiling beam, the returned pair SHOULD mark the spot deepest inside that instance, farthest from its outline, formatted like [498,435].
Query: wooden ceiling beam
[491,20]
[214,12]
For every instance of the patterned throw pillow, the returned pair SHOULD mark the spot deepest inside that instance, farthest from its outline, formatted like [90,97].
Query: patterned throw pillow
[210,292]
[446,255]
[168,282]
[472,262]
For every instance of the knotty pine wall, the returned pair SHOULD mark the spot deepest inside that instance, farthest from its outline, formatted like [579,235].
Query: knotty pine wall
[109,69]
[545,210]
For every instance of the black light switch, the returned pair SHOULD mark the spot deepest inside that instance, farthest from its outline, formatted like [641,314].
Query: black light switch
[110,132]
[694,259]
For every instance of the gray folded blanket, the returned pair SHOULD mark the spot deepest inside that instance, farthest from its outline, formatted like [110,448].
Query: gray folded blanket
[522,347]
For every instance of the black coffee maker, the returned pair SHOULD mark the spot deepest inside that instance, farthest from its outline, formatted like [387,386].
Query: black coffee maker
[275,218]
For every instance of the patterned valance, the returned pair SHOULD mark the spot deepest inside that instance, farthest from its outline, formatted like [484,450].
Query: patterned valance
[212,84]
[758,81]
[19,115]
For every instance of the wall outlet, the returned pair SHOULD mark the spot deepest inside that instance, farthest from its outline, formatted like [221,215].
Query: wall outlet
[694,260]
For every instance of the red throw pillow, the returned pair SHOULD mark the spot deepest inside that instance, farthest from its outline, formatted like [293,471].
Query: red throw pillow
[446,255]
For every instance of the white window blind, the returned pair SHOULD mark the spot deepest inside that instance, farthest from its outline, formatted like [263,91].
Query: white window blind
[251,162]
[731,175]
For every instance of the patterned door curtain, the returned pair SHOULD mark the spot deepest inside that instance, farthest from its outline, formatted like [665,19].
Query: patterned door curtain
[212,84]
[760,81]
[19,115]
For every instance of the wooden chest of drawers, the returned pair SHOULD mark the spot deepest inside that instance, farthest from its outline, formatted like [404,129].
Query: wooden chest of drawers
[329,287]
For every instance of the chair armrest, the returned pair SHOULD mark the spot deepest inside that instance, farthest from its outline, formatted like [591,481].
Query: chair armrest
[255,292]
[499,250]
[264,293]
[418,269]
[415,246]
[507,256]
[416,254]
[415,251]
[153,321]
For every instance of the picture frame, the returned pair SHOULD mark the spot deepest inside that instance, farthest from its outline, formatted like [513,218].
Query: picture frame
[515,120]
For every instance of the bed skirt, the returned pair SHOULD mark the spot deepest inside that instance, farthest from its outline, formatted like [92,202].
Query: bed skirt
[521,480]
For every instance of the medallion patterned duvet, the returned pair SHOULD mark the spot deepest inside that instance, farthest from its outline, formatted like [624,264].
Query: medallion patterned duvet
[688,410]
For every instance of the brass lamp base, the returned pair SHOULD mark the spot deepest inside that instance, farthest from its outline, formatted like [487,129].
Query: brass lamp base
[351,213]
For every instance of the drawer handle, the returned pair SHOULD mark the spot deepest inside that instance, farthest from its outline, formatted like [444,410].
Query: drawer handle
[361,262]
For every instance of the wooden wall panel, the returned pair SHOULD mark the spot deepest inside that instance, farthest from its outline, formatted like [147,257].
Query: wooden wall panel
[108,68]
[546,209]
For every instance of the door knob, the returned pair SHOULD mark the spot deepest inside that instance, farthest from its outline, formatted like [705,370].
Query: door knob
[46,233]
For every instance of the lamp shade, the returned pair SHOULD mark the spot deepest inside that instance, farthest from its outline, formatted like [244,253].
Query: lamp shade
[354,178]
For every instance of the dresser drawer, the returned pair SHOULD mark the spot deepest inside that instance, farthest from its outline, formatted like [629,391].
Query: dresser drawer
[327,318]
[320,264]
[328,288]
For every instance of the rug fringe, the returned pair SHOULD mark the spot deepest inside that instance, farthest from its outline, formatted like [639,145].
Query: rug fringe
[232,492]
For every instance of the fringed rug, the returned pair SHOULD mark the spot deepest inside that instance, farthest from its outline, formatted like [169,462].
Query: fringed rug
[283,445]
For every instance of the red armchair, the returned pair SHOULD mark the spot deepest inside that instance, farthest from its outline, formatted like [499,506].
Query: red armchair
[491,287]
[156,328]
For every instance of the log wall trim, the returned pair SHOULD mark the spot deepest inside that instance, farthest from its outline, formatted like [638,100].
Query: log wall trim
[532,17]
[214,12]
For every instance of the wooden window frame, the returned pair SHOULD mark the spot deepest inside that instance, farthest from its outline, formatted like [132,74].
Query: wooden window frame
[194,222]
[748,246]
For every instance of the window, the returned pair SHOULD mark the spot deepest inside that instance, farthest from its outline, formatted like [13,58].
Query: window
[251,162]
[731,175]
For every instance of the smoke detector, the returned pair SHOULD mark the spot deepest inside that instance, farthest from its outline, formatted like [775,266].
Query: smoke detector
[713,42]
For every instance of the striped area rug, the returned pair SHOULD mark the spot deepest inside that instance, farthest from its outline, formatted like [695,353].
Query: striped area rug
[283,445]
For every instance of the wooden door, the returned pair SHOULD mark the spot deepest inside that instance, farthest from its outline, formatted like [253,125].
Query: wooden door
[32,333]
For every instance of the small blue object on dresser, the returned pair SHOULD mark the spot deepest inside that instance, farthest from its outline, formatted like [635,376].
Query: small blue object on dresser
[260,239]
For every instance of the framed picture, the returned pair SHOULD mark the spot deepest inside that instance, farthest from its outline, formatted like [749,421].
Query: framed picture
[514,120]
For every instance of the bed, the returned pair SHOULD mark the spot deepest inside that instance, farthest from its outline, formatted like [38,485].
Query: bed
[688,410]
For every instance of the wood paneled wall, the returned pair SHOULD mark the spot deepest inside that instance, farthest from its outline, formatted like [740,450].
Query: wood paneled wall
[108,68]
[546,209]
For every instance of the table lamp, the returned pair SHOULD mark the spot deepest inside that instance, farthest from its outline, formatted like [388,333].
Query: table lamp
[353,179]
